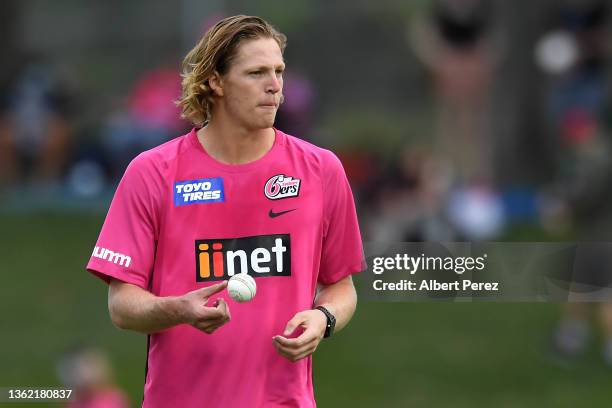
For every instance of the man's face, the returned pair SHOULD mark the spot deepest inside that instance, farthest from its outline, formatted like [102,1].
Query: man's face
[251,90]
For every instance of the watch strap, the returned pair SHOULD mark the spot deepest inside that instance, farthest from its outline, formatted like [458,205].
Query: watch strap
[331,321]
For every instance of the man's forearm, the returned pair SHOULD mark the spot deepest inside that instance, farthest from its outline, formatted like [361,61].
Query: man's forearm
[133,308]
[340,299]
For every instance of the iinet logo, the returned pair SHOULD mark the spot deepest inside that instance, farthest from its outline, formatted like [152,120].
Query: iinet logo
[111,256]
[259,256]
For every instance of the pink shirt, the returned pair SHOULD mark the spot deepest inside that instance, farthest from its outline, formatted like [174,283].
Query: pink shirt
[180,221]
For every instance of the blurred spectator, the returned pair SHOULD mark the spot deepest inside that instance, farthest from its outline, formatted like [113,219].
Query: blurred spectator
[146,118]
[456,43]
[88,373]
[448,195]
[411,200]
[35,125]
[363,169]
[577,103]
[574,52]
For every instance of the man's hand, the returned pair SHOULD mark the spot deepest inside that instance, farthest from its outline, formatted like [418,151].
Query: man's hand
[314,323]
[202,317]
[133,308]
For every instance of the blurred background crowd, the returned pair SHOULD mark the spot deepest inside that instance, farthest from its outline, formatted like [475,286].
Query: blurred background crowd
[455,119]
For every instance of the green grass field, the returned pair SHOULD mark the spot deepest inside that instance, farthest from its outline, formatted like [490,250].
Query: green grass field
[391,355]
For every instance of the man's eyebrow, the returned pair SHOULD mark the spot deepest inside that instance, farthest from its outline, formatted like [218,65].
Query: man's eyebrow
[265,67]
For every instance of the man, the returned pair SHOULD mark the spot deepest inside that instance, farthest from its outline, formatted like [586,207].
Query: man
[35,124]
[232,196]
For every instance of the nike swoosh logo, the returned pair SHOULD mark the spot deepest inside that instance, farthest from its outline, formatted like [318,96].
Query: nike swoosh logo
[272,214]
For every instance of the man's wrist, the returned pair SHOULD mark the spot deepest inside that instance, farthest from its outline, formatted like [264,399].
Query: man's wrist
[173,308]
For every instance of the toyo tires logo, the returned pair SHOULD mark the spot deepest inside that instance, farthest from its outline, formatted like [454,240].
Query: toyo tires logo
[281,186]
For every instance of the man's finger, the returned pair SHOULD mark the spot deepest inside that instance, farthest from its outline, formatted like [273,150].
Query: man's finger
[293,324]
[210,328]
[294,343]
[308,336]
[211,324]
[206,326]
[211,290]
[304,354]
[289,353]
[282,351]
[295,354]
[285,342]
[224,308]
[213,321]
[210,313]
[297,348]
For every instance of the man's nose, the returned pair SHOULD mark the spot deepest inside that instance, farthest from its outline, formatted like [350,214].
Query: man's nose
[274,85]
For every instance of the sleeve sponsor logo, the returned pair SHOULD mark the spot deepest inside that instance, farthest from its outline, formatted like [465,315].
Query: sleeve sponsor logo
[281,186]
[259,256]
[112,256]
[200,191]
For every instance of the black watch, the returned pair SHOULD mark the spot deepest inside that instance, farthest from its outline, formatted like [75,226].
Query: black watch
[331,321]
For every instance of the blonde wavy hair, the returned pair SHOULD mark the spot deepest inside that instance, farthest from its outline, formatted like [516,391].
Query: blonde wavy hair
[214,53]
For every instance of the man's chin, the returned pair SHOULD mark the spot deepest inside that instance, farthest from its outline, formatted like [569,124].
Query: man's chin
[261,125]
[259,121]
[265,123]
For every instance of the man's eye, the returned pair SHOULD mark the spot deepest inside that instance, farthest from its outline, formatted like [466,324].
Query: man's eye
[255,73]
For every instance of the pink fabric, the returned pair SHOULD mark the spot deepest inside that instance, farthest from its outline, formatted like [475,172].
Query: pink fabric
[237,366]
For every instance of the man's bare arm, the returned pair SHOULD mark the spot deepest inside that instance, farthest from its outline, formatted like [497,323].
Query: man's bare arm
[133,308]
[340,299]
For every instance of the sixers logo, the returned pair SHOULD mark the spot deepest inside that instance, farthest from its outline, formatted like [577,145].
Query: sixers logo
[281,186]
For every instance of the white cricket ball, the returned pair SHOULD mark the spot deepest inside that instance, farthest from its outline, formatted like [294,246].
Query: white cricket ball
[241,287]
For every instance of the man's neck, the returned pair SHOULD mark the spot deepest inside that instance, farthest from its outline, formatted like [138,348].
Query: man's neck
[235,145]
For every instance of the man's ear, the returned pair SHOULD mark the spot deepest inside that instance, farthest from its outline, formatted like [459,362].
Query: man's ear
[216,84]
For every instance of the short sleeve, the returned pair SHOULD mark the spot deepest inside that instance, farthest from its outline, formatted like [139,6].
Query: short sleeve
[342,250]
[125,249]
